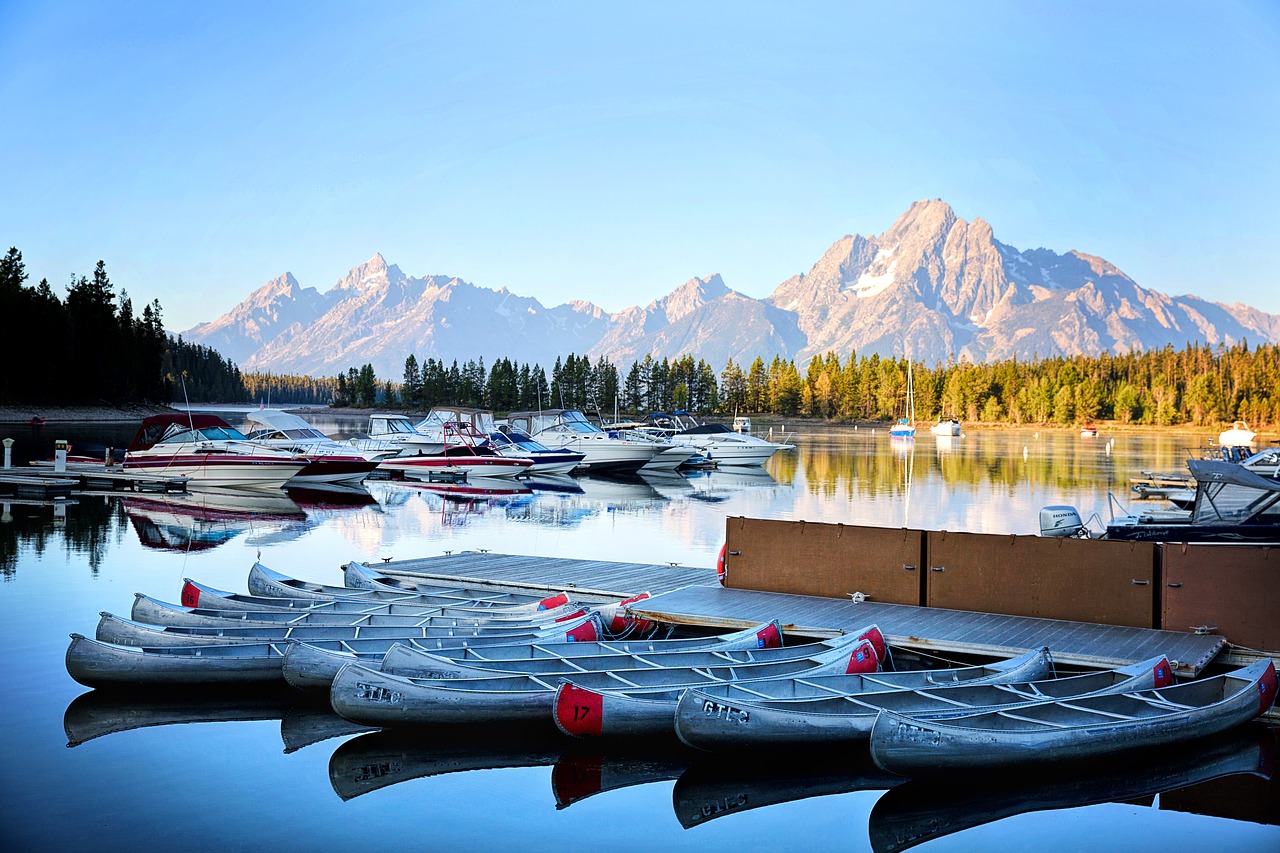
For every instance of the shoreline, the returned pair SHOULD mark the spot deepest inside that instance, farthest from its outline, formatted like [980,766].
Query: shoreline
[22,415]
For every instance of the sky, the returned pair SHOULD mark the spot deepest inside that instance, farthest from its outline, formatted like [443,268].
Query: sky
[611,151]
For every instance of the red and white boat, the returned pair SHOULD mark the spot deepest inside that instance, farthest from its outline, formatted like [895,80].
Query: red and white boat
[208,452]
[465,453]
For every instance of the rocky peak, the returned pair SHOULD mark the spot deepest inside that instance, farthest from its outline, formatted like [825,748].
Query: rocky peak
[692,295]
[371,274]
[927,221]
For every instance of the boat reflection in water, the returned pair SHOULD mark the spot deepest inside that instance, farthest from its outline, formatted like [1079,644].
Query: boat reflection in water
[726,785]
[922,810]
[384,758]
[579,775]
[304,720]
[207,518]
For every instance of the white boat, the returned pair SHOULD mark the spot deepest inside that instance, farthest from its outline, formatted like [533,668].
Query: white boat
[906,426]
[668,455]
[946,427]
[718,442]
[569,428]
[331,462]
[398,429]
[742,424]
[1238,436]
[503,440]
[208,452]
[466,451]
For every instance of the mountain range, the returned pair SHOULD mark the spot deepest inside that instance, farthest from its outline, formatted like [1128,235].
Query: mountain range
[932,286]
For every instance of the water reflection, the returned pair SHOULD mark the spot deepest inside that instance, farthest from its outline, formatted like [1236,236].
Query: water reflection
[722,786]
[380,759]
[922,810]
[304,720]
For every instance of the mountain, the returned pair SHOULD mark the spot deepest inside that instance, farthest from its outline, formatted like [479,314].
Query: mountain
[932,286]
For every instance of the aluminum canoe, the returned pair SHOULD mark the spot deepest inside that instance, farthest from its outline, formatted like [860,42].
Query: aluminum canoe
[196,594]
[403,660]
[155,612]
[734,719]
[97,664]
[308,667]
[373,697]
[113,629]
[1074,729]
[268,582]
[652,712]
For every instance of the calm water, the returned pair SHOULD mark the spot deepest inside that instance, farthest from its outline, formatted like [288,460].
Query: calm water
[94,771]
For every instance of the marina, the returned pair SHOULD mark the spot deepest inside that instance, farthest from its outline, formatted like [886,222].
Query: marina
[596,539]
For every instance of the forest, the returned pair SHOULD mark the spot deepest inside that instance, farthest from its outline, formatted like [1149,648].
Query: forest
[94,348]
[1198,385]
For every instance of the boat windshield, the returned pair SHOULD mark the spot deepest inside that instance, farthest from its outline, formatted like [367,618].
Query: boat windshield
[206,434]
[397,426]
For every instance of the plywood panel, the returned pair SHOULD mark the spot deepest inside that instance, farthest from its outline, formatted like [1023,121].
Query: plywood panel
[831,560]
[1110,583]
[1231,588]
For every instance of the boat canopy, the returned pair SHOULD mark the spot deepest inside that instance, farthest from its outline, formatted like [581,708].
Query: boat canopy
[570,420]
[288,425]
[1230,494]
[172,427]
[481,419]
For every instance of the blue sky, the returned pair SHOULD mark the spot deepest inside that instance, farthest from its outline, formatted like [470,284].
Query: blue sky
[611,152]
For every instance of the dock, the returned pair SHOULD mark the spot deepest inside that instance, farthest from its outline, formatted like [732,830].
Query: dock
[46,480]
[691,596]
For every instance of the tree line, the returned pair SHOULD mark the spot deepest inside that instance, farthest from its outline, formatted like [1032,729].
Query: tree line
[1198,384]
[93,346]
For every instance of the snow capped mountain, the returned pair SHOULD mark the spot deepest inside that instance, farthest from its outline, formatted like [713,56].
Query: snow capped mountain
[932,286]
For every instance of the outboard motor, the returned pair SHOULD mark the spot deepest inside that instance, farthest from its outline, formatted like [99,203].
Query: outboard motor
[1060,521]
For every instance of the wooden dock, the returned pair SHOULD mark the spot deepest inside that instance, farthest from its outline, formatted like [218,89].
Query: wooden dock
[691,596]
[82,477]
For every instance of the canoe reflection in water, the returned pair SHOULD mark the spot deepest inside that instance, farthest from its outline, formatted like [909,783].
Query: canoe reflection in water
[383,758]
[719,786]
[303,720]
[578,775]
[924,809]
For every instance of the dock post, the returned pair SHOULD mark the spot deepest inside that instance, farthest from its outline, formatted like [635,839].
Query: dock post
[60,456]
[8,453]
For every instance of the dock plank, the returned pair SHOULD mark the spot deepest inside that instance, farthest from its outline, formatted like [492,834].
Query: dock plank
[690,595]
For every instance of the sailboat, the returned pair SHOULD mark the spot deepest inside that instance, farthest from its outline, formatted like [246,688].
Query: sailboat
[906,427]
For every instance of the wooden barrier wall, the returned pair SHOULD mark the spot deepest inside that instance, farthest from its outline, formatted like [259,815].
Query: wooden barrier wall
[1231,588]
[1111,583]
[1228,588]
[830,560]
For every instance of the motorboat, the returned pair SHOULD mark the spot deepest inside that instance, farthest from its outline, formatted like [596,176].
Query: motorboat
[669,455]
[505,440]
[466,451]
[718,442]
[946,427]
[398,429]
[1238,436]
[512,442]
[742,424]
[330,462]
[208,451]
[570,429]
[1088,431]
[1232,504]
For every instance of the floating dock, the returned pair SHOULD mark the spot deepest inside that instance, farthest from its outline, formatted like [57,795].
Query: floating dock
[691,596]
[46,480]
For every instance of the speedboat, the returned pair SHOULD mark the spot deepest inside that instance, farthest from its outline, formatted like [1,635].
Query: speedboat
[504,440]
[719,443]
[331,462]
[398,429]
[1088,431]
[1232,504]
[208,452]
[512,442]
[668,456]
[947,427]
[466,452]
[570,429]
[1238,436]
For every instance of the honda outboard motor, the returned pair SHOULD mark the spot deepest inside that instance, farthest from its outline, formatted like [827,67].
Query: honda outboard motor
[1060,521]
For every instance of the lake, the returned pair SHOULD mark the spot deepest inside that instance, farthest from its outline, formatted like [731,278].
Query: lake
[92,770]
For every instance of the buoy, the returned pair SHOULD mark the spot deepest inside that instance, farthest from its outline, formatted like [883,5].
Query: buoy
[1024,453]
